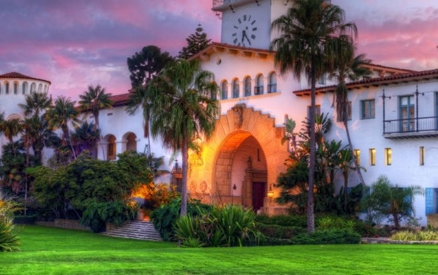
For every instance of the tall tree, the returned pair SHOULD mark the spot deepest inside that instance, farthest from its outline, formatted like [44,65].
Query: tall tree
[308,34]
[184,108]
[196,42]
[35,104]
[60,115]
[145,64]
[11,128]
[352,68]
[92,101]
[85,136]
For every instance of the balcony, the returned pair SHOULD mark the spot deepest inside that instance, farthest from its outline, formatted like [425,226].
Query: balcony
[411,128]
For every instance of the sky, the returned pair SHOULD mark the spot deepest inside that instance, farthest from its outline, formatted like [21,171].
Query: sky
[79,43]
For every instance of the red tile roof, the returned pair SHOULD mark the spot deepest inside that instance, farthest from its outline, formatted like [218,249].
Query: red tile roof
[120,100]
[392,79]
[21,76]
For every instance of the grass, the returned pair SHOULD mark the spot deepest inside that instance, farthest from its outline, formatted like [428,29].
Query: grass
[60,251]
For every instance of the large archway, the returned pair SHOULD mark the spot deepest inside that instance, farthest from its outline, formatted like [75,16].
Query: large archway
[245,149]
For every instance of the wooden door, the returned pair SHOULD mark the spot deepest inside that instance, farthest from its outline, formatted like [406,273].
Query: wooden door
[258,195]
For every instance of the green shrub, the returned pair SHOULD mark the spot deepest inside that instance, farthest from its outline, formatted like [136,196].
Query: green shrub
[25,219]
[283,220]
[329,222]
[9,240]
[97,214]
[230,225]
[165,216]
[415,236]
[365,230]
[280,232]
[332,236]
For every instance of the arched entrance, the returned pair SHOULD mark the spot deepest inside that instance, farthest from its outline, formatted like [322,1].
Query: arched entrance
[245,152]
[241,171]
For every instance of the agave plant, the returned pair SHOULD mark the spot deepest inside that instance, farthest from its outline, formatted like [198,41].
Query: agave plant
[9,240]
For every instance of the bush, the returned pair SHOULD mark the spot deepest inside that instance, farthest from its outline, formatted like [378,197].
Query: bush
[332,236]
[283,220]
[327,223]
[415,236]
[99,213]
[279,232]
[25,219]
[9,240]
[230,225]
[165,216]
[365,230]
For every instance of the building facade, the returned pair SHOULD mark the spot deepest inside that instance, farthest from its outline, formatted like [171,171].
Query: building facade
[393,124]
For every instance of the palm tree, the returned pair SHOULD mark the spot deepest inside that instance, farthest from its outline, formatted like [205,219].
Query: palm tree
[183,109]
[85,135]
[308,35]
[35,104]
[92,101]
[60,115]
[352,68]
[11,128]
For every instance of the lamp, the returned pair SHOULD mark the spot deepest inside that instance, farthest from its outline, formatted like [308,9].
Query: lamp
[270,192]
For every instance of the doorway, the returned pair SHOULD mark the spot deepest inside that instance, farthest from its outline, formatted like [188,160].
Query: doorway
[258,195]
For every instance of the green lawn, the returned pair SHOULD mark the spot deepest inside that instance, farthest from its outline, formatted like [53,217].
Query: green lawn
[59,251]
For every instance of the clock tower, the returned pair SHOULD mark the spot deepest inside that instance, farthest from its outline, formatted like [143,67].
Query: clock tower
[247,23]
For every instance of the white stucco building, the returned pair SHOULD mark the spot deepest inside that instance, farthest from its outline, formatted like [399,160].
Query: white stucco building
[393,125]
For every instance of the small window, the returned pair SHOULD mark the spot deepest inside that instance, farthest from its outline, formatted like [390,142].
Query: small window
[248,86]
[272,86]
[40,88]
[236,88]
[388,156]
[7,88]
[258,89]
[368,109]
[356,153]
[24,88]
[15,88]
[224,90]
[32,88]
[422,155]
[321,80]
[372,157]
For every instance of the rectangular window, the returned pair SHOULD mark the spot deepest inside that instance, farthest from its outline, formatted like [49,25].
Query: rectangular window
[321,80]
[368,109]
[356,153]
[422,155]
[372,157]
[388,156]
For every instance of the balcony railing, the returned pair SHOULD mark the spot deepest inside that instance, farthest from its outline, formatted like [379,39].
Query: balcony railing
[258,90]
[413,127]
[272,88]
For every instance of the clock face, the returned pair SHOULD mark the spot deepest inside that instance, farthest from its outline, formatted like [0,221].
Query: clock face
[245,31]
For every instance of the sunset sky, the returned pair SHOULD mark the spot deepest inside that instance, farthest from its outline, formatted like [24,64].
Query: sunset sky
[78,43]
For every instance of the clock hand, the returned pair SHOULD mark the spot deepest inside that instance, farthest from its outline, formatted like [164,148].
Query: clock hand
[247,38]
[243,35]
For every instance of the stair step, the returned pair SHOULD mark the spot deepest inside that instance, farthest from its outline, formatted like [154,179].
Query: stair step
[140,230]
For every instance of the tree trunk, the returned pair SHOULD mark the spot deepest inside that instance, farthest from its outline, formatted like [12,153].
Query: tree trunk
[350,145]
[310,199]
[345,174]
[184,152]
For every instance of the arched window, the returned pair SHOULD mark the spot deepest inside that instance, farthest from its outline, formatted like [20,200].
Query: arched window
[46,88]
[131,142]
[24,88]
[272,86]
[247,86]
[40,88]
[32,88]
[0,88]
[224,89]
[236,88]
[111,147]
[6,87]
[15,88]
[258,89]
